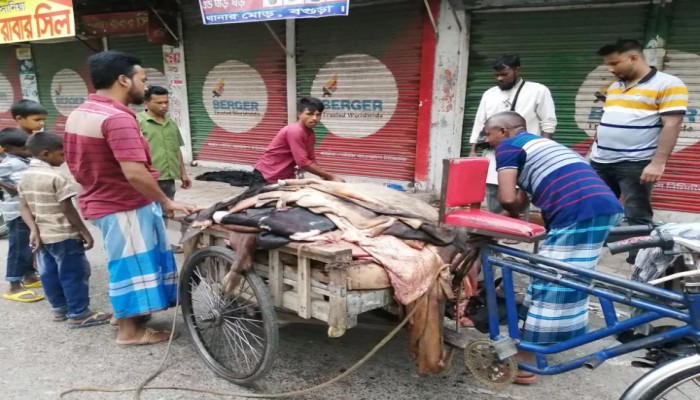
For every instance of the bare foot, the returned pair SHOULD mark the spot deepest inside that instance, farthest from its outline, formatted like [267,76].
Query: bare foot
[31,279]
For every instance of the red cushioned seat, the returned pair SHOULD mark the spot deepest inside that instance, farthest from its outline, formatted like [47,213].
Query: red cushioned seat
[464,185]
[490,224]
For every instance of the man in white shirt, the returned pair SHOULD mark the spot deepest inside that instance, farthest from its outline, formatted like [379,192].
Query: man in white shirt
[531,100]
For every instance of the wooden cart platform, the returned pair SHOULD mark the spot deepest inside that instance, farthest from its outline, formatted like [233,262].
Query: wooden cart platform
[312,281]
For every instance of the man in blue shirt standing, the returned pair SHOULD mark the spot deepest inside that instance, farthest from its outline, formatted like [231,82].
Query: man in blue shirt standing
[578,209]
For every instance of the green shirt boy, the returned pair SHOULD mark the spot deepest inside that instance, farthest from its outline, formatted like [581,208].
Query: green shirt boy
[165,140]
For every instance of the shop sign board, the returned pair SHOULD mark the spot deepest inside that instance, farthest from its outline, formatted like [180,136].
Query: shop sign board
[216,12]
[25,20]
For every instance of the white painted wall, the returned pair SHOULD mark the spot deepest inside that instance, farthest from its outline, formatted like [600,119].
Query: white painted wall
[449,91]
[291,71]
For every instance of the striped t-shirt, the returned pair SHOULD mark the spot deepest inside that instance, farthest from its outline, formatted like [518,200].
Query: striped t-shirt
[559,181]
[44,187]
[99,135]
[11,171]
[631,124]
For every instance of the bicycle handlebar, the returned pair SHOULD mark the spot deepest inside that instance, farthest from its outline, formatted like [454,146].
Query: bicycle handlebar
[664,241]
[631,230]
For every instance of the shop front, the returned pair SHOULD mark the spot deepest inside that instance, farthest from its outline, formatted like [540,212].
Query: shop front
[367,67]
[558,44]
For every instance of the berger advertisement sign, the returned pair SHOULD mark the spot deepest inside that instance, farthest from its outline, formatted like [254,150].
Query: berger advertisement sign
[235,96]
[356,105]
[68,91]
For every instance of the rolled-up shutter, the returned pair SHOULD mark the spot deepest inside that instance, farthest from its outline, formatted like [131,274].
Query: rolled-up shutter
[236,87]
[10,89]
[63,78]
[679,189]
[366,68]
[557,49]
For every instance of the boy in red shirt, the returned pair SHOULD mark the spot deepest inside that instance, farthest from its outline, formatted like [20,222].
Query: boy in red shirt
[293,147]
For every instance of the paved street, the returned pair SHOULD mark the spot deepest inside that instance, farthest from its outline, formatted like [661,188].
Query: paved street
[41,358]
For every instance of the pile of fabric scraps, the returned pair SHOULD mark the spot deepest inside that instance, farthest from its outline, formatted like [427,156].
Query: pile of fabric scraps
[387,226]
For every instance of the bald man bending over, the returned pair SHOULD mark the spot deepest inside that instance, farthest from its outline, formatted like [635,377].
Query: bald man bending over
[578,209]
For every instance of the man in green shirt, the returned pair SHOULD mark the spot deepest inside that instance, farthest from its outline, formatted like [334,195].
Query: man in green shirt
[165,141]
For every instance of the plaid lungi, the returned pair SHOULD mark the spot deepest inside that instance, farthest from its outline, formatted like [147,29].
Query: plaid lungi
[142,271]
[555,313]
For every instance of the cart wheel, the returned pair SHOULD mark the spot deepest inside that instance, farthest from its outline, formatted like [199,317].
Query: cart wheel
[236,334]
[482,361]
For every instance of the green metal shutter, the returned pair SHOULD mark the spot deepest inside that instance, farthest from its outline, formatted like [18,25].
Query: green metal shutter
[679,189]
[557,49]
[151,56]
[366,68]
[237,87]
[10,89]
[63,78]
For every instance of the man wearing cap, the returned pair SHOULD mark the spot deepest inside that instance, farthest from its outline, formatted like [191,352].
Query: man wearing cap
[531,100]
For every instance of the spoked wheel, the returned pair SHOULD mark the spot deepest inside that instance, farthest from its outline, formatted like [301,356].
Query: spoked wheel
[678,379]
[482,361]
[235,333]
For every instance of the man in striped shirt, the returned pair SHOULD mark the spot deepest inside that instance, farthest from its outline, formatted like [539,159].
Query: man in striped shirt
[578,209]
[641,122]
[107,154]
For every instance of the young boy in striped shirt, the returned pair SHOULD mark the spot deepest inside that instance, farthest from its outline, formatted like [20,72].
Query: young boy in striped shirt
[57,233]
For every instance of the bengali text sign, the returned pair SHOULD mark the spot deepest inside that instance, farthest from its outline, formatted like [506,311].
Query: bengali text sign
[25,20]
[216,12]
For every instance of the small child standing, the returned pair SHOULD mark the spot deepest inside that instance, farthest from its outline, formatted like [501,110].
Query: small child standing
[29,115]
[57,233]
[20,269]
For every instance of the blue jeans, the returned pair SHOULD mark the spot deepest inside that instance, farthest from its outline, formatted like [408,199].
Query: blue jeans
[65,272]
[20,263]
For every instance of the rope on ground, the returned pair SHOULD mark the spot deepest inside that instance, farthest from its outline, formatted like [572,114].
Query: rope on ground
[138,389]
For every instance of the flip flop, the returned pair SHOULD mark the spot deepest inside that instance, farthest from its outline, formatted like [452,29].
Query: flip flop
[97,318]
[34,285]
[147,338]
[22,296]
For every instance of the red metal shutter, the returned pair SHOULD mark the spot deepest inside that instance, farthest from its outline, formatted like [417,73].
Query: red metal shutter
[10,89]
[367,69]
[679,189]
[236,87]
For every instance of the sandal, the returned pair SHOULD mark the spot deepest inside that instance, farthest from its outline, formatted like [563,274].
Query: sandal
[525,379]
[97,318]
[148,337]
[32,285]
[25,296]
[59,317]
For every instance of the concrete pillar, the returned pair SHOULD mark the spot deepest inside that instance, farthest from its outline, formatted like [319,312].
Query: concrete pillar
[449,90]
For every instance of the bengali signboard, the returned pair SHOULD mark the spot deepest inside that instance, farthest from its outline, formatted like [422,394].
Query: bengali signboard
[115,23]
[24,20]
[216,12]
